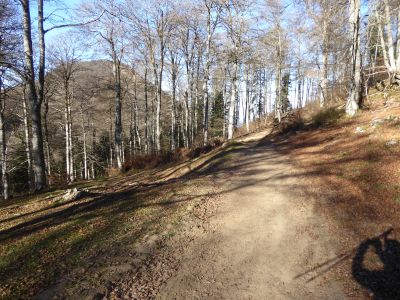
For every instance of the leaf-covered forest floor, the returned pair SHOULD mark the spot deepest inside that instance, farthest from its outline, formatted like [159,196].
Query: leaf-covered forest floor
[353,168]
[125,236]
[55,247]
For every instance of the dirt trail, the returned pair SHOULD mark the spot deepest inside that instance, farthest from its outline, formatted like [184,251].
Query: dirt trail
[265,235]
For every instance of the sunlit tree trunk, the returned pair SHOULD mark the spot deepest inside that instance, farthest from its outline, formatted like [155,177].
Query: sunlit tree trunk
[232,103]
[38,163]
[247,103]
[173,100]
[118,107]
[324,79]
[354,97]
[146,114]
[84,142]
[3,142]
[206,78]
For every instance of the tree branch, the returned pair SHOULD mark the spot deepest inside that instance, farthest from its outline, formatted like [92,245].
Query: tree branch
[74,24]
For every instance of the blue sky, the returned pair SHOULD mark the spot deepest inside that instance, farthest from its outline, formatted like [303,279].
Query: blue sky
[61,12]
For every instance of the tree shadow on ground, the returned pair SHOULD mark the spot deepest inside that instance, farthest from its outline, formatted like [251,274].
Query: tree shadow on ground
[356,186]
[106,215]
[124,200]
[67,236]
[383,282]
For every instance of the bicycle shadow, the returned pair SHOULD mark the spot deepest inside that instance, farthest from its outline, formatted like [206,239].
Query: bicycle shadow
[382,282]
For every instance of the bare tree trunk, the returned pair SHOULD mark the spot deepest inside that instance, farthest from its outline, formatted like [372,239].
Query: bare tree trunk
[232,104]
[299,89]
[69,160]
[247,104]
[154,122]
[35,101]
[146,114]
[92,150]
[68,146]
[309,87]
[211,24]
[47,143]
[324,79]
[85,159]
[205,87]
[136,128]
[93,172]
[260,95]
[355,84]
[390,43]
[178,132]
[196,99]
[185,137]
[28,141]
[158,72]
[189,108]
[301,95]
[136,118]
[111,162]
[278,99]
[85,156]
[187,122]
[118,109]
[265,92]
[224,96]
[131,126]
[158,69]
[237,103]
[123,150]
[3,142]
[71,156]
[159,98]
[173,101]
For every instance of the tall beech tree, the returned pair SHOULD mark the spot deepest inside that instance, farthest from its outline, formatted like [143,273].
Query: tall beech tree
[354,97]
[35,93]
